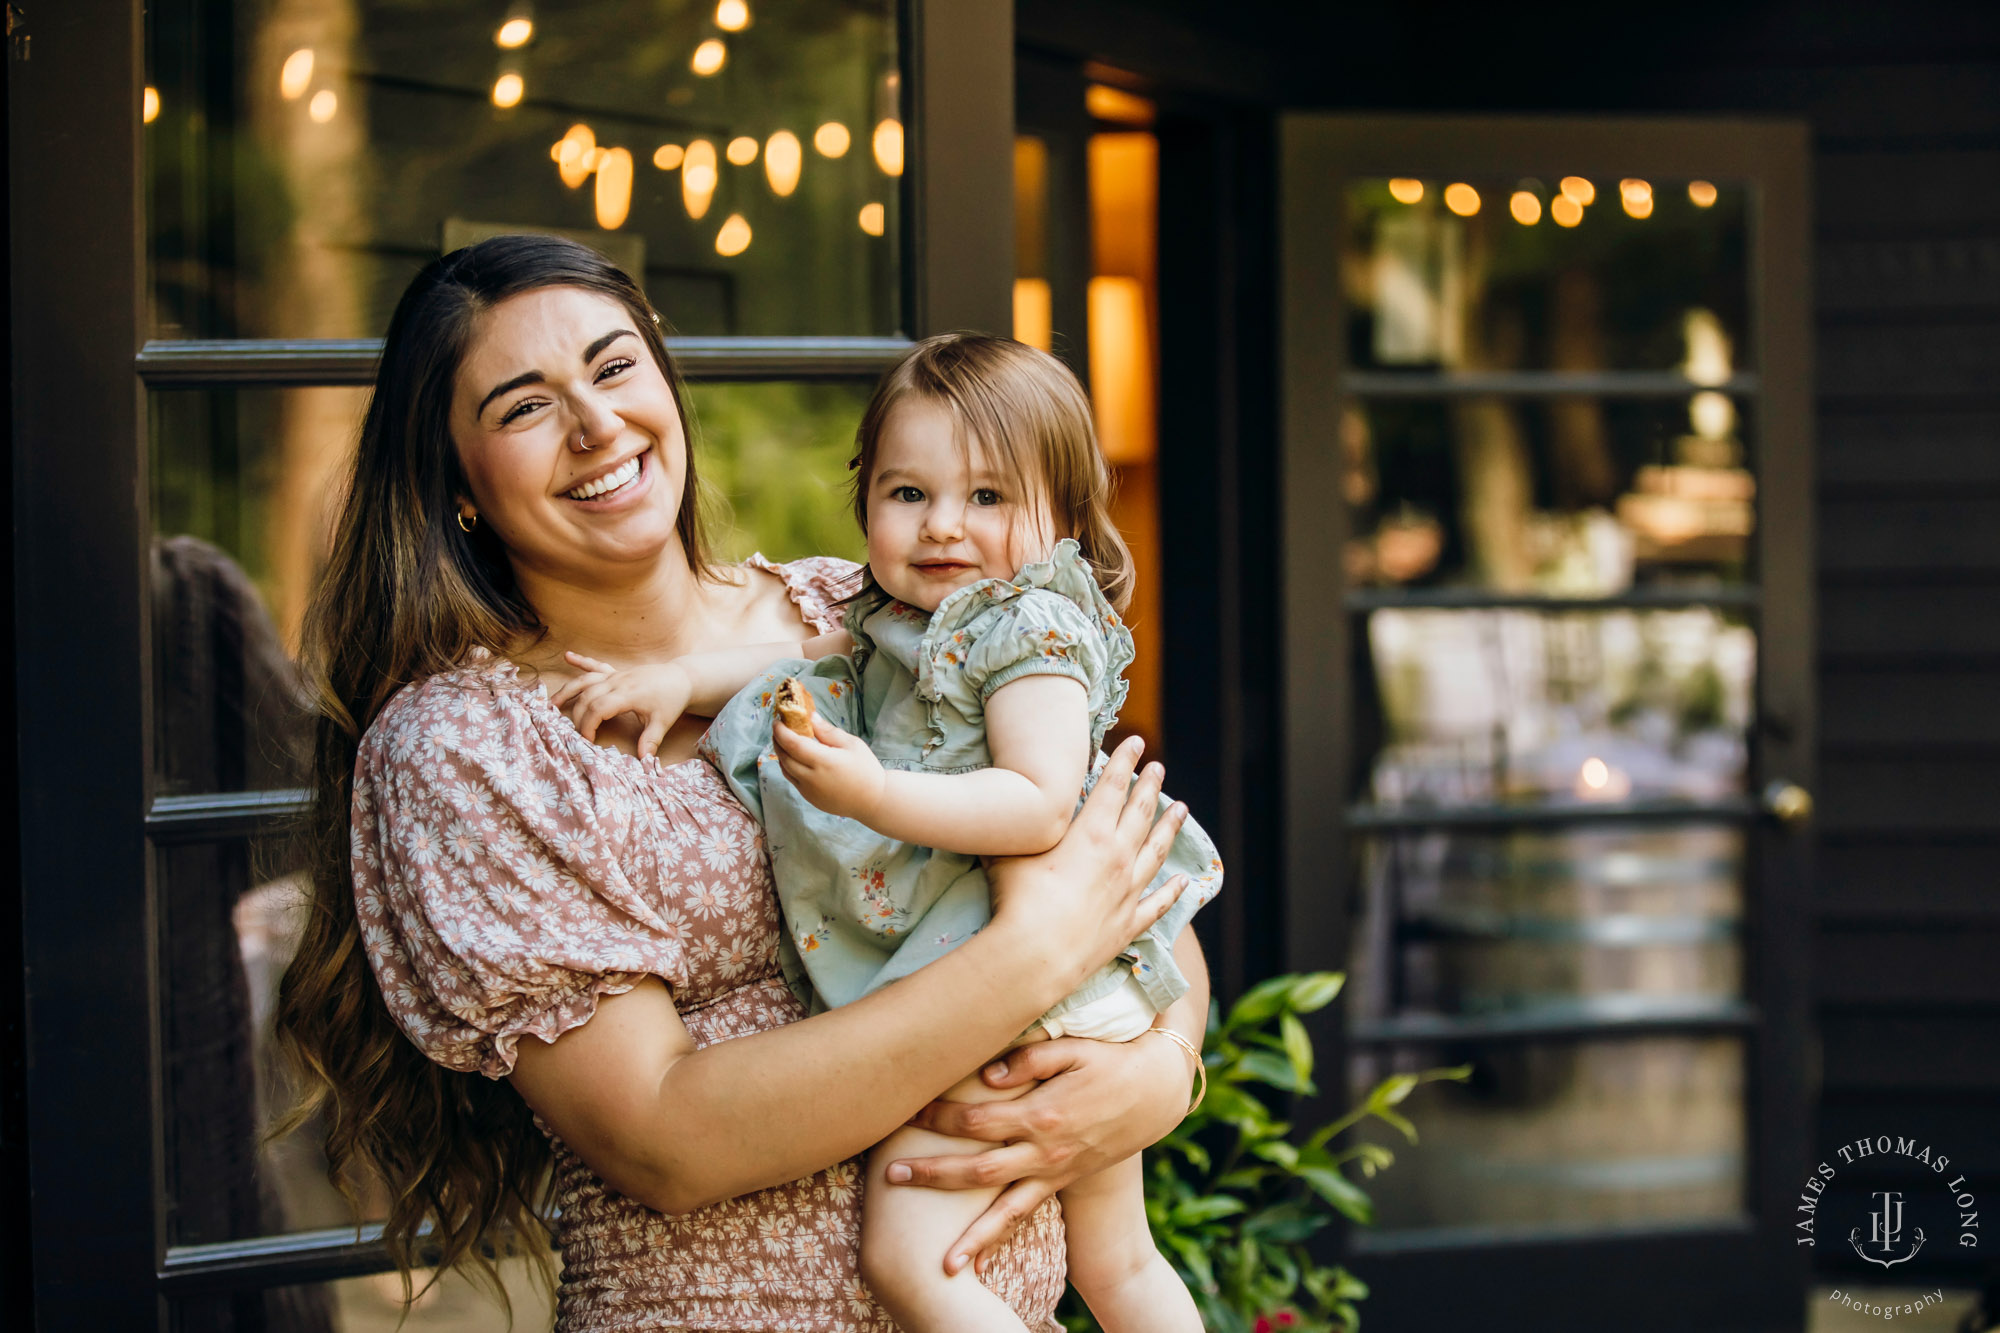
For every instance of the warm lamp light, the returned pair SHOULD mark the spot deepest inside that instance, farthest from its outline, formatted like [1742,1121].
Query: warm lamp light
[1406,190]
[296,75]
[1701,194]
[323,106]
[734,238]
[873,219]
[1104,102]
[709,57]
[1637,196]
[668,156]
[698,177]
[149,105]
[614,189]
[783,157]
[514,33]
[1579,190]
[507,90]
[574,152]
[832,139]
[1461,199]
[1526,207]
[732,16]
[1565,211]
[742,151]
[888,144]
[1034,313]
[1121,369]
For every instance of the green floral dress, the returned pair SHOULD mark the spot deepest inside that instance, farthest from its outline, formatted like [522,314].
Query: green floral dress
[862,909]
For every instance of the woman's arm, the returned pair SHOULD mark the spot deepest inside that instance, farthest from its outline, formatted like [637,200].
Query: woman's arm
[677,1127]
[1038,730]
[1098,1103]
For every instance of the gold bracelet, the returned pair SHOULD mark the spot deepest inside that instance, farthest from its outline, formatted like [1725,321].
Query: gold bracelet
[1200,1069]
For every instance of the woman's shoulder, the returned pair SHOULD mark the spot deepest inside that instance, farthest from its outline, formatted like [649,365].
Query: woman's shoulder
[816,585]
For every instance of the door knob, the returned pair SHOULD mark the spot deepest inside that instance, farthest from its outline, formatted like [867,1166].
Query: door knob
[1789,803]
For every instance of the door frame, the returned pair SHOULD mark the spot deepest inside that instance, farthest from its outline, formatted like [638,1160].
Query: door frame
[1751,1276]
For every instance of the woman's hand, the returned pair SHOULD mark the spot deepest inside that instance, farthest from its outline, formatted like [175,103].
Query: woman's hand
[1090,888]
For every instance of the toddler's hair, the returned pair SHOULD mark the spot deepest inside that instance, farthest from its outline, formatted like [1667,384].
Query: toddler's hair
[1027,410]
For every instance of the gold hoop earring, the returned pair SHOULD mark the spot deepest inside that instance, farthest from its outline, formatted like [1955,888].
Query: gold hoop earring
[465,526]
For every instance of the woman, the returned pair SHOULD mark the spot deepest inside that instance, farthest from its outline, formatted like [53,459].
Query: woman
[544,970]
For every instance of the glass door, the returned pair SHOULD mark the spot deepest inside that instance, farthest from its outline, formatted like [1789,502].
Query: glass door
[1545,582]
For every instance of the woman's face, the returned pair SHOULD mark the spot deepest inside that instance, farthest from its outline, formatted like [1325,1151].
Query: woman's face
[569,436]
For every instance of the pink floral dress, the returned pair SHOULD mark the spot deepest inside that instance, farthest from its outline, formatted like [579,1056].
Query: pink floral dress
[508,873]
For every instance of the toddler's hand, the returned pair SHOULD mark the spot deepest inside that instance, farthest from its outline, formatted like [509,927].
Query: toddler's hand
[834,770]
[656,695]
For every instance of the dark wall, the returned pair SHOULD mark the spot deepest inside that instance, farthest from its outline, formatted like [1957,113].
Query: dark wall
[1904,104]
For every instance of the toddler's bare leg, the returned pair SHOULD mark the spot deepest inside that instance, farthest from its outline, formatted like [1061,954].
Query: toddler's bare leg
[1113,1263]
[906,1229]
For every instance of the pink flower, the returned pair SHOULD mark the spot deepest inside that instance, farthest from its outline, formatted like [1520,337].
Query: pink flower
[1263,1324]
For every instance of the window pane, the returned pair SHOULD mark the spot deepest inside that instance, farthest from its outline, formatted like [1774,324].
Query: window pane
[1565,1134]
[374,1304]
[1568,274]
[774,457]
[742,158]
[1570,925]
[1542,708]
[1565,497]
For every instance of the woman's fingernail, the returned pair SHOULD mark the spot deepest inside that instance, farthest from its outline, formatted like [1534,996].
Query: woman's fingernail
[898,1174]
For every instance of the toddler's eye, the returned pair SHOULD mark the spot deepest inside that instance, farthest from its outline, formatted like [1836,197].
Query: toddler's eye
[907,494]
[986,496]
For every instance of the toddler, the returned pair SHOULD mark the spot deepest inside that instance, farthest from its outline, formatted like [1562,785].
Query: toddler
[959,715]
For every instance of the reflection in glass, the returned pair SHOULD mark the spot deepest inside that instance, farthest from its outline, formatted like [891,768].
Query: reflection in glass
[308,159]
[374,1304]
[1570,925]
[773,458]
[1556,708]
[1566,497]
[1467,276]
[1641,1131]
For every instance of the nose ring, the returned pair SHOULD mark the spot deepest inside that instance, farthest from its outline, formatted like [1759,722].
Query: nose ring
[583,441]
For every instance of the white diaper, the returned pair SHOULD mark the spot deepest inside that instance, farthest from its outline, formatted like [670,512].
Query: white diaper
[1122,1015]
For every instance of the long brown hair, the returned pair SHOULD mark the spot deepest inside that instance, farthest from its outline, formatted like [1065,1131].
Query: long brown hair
[1027,411]
[407,593]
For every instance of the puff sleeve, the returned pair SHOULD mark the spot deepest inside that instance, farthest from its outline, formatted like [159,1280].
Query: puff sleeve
[1039,633]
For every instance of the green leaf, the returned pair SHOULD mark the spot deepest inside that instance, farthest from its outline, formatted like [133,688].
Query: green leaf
[1260,1003]
[1279,1151]
[1196,1211]
[1341,1192]
[1298,1046]
[1315,990]
[1393,1090]
[1269,1067]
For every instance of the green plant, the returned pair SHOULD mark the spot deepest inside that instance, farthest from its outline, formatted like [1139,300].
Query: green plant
[1233,1197]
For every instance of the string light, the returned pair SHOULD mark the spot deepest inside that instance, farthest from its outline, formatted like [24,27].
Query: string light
[1637,196]
[732,16]
[323,106]
[296,75]
[668,156]
[514,33]
[832,139]
[888,144]
[149,106]
[1405,190]
[742,151]
[734,238]
[1579,191]
[573,153]
[1526,208]
[1701,194]
[709,57]
[1565,211]
[614,189]
[783,157]
[873,218]
[507,90]
[1461,199]
[698,177]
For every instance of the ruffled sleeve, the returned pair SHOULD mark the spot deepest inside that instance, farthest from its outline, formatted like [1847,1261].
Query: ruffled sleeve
[818,584]
[490,892]
[1039,633]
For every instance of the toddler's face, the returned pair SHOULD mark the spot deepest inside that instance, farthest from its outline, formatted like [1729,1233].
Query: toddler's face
[939,517]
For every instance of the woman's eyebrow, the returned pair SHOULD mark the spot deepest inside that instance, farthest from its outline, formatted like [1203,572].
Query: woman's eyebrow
[532,376]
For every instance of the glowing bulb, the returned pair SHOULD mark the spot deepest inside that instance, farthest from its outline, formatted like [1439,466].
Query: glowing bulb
[783,156]
[1640,206]
[507,90]
[614,189]
[1566,211]
[668,156]
[1579,190]
[574,152]
[742,151]
[514,32]
[1712,415]
[734,238]
[1404,190]
[732,16]
[872,219]
[832,139]
[1701,194]
[296,75]
[323,105]
[888,145]
[1637,196]
[1596,774]
[1525,207]
[709,57]
[149,110]
[698,177]
[1461,199]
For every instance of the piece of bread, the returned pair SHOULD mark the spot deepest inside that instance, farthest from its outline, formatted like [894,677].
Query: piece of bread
[795,706]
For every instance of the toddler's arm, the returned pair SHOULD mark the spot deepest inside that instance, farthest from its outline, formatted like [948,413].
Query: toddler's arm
[699,683]
[1038,728]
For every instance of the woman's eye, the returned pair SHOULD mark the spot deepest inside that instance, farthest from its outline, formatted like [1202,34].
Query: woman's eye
[519,409]
[908,494]
[984,496]
[613,368]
